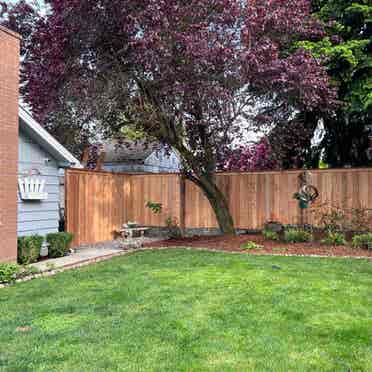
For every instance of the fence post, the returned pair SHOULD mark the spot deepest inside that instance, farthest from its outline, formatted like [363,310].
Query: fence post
[67,199]
[300,183]
[182,203]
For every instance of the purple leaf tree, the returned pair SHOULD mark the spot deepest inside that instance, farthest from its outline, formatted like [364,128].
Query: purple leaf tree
[186,72]
[255,157]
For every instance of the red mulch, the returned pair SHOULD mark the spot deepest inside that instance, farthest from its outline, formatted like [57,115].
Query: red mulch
[233,244]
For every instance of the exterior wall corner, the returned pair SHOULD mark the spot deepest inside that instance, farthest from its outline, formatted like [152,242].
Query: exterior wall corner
[9,87]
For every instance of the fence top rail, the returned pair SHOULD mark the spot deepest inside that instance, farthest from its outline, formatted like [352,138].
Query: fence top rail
[100,172]
[288,171]
[108,173]
[222,173]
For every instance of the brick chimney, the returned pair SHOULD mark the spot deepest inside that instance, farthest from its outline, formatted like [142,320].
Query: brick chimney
[9,86]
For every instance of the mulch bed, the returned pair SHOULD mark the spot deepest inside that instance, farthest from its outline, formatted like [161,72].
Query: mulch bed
[234,243]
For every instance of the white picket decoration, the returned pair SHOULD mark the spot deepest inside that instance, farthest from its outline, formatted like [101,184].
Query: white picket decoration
[32,188]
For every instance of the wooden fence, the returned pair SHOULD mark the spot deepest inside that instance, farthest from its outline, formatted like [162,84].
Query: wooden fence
[98,203]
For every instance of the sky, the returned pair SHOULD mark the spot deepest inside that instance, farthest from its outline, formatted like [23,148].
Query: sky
[27,1]
[32,2]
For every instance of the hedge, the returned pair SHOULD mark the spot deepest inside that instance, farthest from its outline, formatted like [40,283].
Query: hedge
[29,248]
[59,244]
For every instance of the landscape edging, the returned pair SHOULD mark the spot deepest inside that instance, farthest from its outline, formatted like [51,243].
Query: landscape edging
[90,261]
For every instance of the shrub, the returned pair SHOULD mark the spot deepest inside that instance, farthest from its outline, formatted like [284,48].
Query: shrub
[297,236]
[338,218]
[9,272]
[334,238]
[174,230]
[362,241]
[270,235]
[59,244]
[331,217]
[29,249]
[361,219]
[251,245]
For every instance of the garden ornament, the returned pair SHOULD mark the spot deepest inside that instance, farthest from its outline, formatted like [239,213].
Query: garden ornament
[307,194]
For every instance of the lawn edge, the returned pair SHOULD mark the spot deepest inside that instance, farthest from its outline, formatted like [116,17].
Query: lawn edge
[107,257]
[260,254]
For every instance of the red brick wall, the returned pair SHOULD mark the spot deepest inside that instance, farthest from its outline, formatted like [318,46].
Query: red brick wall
[9,86]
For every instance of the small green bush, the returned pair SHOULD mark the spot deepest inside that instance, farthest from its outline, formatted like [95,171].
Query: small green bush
[334,238]
[251,245]
[297,236]
[270,235]
[29,249]
[362,241]
[174,230]
[9,272]
[59,244]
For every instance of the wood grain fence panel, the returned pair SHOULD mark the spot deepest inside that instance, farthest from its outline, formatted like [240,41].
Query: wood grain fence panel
[349,190]
[363,189]
[356,192]
[164,189]
[369,204]
[198,212]
[189,202]
[242,208]
[253,199]
[282,197]
[260,198]
[235,198]
[98,203]
[293,210]
[345,188]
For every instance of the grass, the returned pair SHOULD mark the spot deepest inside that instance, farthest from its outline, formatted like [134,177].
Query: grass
[184,310]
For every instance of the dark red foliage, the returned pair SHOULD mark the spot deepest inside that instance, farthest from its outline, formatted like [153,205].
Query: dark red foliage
[258,156]
[185,72]
[206,59]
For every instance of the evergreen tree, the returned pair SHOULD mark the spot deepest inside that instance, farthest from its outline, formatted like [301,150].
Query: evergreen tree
[347,49]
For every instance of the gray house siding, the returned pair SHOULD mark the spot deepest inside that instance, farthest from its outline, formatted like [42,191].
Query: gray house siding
[160,161]
[124,167]
[38,217]
[157,162]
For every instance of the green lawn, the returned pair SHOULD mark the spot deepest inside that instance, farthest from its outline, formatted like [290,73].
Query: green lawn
[183,310]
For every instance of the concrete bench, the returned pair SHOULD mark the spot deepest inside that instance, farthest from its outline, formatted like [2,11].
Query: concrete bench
[128,231]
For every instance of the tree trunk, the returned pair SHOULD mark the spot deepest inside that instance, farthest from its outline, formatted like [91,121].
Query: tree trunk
[218,203]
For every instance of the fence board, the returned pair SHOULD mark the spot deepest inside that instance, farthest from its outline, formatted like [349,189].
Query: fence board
[162,188]
[98,203]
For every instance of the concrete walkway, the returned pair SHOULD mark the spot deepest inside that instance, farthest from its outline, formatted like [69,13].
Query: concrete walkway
[92,253]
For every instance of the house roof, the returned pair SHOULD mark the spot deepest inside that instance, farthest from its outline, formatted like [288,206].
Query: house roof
[45,140]
[118,152]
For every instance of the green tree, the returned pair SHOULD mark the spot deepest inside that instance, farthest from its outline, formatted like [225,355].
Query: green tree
[347,50]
